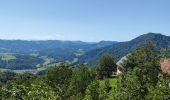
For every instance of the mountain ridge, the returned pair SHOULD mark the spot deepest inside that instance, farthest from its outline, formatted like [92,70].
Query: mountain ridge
[120,49]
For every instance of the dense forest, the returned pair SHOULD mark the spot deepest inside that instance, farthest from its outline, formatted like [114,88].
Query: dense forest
[141,79]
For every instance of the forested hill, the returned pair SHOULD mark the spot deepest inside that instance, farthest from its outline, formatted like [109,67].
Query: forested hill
[120,49]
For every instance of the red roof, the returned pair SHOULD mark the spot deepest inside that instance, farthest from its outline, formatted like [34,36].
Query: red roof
[165,65]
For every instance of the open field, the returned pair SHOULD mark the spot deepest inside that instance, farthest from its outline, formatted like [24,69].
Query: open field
[7,56]
[113,82]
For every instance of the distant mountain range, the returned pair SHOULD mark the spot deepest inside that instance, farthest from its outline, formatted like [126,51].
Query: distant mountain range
[19,46]
[46,52]
[18,54]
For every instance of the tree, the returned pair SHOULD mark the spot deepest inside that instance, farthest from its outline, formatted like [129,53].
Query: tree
[106,66]
[141,72]
[40,90]
[106,86]
[160,92]
[7,76]
[165,52]
[59,78]
[81,78]
[146,57]
[30,89]
[129,86]
[92,91]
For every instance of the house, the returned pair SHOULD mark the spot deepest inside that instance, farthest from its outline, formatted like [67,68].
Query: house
[119,64]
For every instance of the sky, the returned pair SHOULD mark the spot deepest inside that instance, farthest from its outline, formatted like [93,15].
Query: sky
[85,20]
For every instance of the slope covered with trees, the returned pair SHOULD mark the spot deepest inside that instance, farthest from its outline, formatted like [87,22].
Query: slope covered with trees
[121,49]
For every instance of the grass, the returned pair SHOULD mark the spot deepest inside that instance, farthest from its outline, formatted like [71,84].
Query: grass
[79,52]
[34,54]
[113,82]
[26,70]
[7,56]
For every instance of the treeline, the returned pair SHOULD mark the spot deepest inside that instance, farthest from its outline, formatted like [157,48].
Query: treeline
[139,80]
[59,83]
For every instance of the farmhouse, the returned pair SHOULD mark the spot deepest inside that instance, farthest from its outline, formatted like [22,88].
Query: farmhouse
[119,64]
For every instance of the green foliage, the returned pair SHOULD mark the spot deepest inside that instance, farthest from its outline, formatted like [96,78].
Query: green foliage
[160,92]
[107,86]
[6,76]
[59,79]
[141,73]
[40,90]
[130,86]
[70,83]
[139,81]
[81,78]
[92,91]
[165,52]
[147,60]
[106,66]
[30,89]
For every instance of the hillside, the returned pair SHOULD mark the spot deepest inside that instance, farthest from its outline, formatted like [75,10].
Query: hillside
[18,54]
[18,61]
[120,49]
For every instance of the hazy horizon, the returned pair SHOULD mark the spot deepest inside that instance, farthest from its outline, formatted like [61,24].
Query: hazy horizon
[77,40]
[82,20]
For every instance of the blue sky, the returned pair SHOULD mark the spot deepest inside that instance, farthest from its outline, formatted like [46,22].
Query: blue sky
[85,20]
